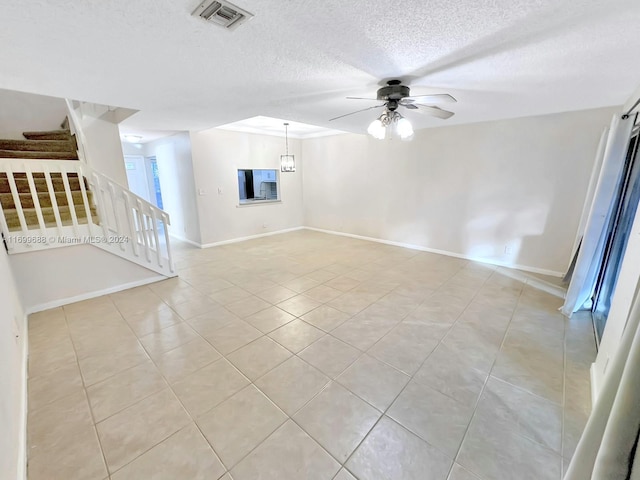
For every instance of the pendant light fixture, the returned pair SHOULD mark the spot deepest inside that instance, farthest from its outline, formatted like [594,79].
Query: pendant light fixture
[287,162]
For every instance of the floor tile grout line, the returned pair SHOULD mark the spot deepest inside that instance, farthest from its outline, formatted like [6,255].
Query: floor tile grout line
[86,395]
[455,457]
[175,395]
[479,399]
[325,386]
[361,352]
[169,385]
[489,376]
[384,414]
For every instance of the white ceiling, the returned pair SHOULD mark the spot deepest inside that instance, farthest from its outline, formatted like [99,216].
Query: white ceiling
[275,126]
[299,59]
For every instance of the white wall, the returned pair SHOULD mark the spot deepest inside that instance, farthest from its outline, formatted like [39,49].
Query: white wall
[217,156]
[12,375]
[48,278]
[176,174]
[137,176]
[104,148]
[472,190]
[21,112]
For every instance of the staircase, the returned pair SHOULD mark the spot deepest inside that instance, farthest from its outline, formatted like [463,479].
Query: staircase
[54,144]
[50,199]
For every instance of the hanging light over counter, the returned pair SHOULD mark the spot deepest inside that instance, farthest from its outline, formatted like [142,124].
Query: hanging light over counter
[287,162]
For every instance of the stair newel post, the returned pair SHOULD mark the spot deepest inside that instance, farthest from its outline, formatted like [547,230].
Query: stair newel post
[132,227]
[52,197]
[165,222]
[154,223]
[85,200]
[102,213]
[64,173]
[16,199]
[114,204]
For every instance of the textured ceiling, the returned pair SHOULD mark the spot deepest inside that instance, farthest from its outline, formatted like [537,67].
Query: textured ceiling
[297,60]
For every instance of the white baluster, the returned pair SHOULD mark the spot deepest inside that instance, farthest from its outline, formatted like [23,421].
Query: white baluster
[16,201]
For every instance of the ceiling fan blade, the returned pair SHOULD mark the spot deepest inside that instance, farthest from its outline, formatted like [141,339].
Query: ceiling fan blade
[410,106]
[360,98]
[433,111]
[433,98]
[357,111]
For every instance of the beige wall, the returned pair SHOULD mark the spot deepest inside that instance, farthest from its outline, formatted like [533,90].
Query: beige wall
[480,190]
[12,375]
[217,155]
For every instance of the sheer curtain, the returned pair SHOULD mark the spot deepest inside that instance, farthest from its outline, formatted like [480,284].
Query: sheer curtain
[587,265]
[607,449]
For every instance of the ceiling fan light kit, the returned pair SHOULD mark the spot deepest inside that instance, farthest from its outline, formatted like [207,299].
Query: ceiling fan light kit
[395,95]
[389,125]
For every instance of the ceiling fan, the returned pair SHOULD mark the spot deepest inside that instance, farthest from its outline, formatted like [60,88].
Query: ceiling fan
[396,95]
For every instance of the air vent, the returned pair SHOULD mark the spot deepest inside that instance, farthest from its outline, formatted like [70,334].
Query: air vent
[225,14]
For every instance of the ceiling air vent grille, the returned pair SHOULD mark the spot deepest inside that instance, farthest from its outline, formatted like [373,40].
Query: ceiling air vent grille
[222,13]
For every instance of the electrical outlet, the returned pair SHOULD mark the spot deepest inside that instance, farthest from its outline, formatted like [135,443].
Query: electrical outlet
[219,190]
[264,225]
[508,250]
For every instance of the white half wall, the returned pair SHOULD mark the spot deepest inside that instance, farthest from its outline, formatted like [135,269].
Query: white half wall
[176,174]
[58,276]
[22,112]
[217,156]
[13,344]
[509,192]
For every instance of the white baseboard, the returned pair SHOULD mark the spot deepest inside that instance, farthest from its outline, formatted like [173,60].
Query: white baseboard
[185,240]
[250,237]
[498,263]
[98,293]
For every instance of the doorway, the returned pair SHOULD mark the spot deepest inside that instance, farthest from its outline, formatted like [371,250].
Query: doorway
[154,182]
[618,235]
[143,178]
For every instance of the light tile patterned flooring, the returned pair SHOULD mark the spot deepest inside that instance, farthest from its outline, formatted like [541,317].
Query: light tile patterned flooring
[309,356]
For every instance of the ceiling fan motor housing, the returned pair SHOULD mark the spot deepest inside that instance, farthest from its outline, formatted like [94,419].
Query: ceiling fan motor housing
[393,91]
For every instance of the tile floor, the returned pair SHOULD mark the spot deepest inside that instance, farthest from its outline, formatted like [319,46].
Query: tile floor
[310,356]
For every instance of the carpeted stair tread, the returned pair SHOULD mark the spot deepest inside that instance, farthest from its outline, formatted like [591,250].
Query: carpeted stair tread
[38,155]
[22,184]
[31,217]
[38,145]
[48,135]
[26,200]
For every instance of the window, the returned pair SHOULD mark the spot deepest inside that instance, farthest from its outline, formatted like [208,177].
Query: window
[257,186]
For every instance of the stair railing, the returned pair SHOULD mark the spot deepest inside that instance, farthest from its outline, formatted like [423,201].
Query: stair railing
[102,213]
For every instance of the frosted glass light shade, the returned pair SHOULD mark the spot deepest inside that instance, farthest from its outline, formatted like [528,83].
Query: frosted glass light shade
[287,163]
[404,128]
[377,129]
